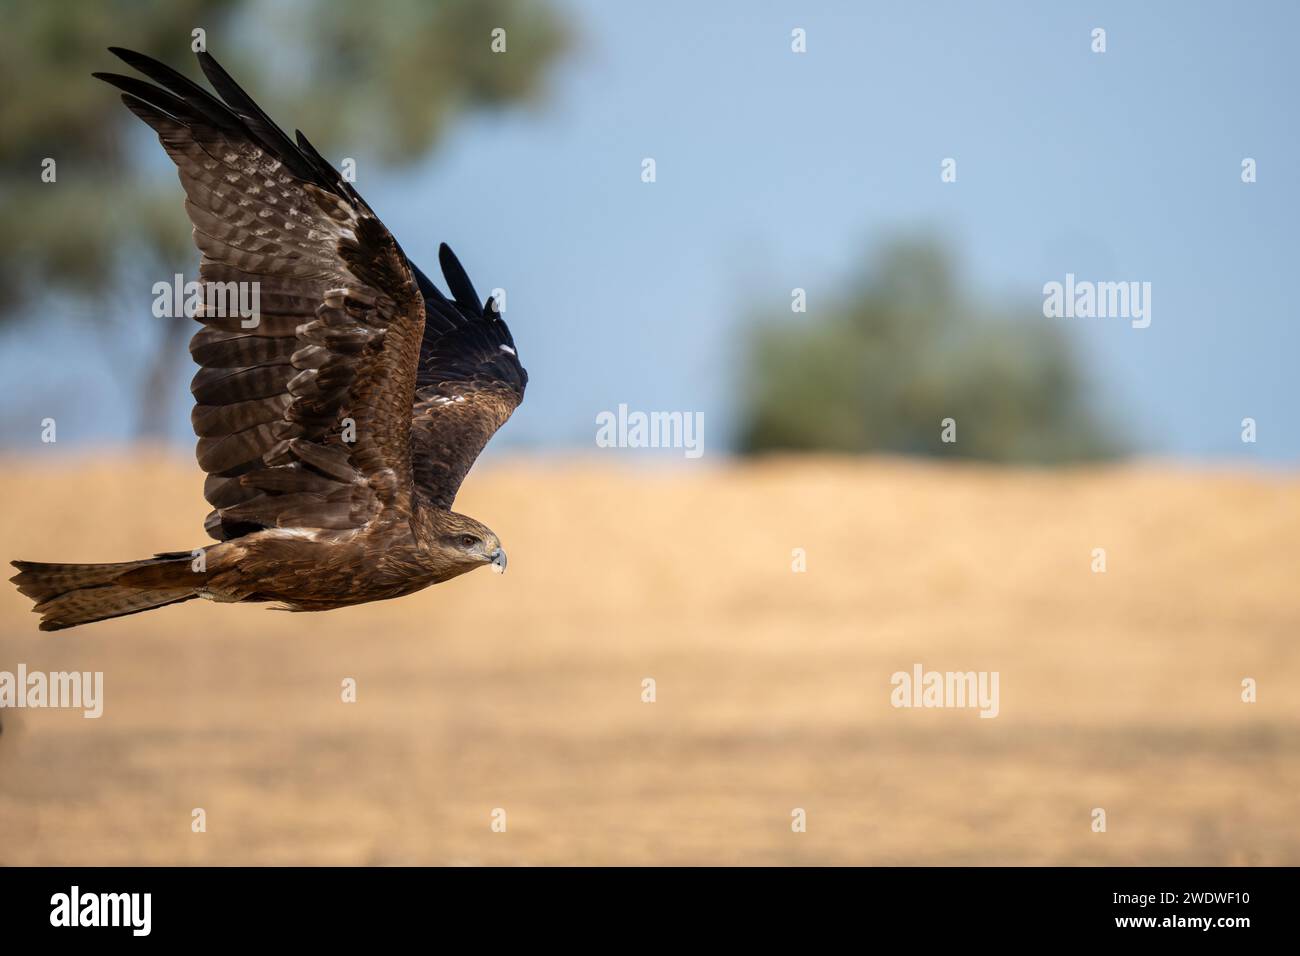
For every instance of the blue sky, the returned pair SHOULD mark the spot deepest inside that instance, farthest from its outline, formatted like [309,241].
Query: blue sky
[778,170]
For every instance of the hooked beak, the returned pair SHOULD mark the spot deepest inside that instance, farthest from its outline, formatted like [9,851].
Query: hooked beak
[499,561]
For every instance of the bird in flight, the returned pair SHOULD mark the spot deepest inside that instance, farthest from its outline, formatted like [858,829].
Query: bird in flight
[335,426]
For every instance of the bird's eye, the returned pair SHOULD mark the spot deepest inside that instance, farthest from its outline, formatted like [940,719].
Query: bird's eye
[468,540]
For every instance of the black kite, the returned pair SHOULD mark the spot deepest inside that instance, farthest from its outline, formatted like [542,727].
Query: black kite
[337,430]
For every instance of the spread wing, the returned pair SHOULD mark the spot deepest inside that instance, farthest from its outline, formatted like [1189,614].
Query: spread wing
[469,381]
[303,420]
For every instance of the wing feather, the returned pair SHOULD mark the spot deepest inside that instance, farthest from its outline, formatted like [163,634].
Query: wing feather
[468,383]
[303,419]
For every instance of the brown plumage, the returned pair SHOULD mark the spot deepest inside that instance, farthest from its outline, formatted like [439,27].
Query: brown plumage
[336,431]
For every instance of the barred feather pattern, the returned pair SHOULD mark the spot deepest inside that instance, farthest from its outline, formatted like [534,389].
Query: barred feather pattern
[303,420]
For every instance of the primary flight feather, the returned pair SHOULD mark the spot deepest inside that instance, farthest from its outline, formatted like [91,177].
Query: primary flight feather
[337,429]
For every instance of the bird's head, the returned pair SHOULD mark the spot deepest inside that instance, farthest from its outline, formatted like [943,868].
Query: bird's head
[465,544]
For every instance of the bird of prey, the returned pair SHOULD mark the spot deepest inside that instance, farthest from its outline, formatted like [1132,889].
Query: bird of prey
[335,431]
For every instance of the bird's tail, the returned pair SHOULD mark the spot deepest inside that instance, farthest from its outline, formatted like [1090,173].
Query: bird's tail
[70,594]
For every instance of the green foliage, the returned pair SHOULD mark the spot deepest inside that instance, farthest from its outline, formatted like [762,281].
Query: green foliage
[906,349]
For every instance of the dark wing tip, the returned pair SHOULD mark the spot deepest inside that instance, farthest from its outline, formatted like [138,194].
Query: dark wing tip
[259,125]
[207,60]
[131,57]
[217,74]
[462,290]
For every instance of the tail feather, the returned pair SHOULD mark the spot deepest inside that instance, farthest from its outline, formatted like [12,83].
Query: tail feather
[66,595]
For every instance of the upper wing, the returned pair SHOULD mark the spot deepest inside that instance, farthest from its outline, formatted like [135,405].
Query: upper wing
[468,383]
[303,420]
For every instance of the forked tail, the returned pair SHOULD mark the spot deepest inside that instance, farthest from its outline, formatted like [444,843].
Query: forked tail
[70,594]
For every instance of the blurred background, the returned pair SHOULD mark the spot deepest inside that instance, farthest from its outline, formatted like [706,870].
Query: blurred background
[781,177]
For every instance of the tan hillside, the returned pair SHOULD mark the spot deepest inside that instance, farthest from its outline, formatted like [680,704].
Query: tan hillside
[1119,690]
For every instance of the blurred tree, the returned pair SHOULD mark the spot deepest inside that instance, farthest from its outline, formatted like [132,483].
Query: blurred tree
[881,369]
[384,79]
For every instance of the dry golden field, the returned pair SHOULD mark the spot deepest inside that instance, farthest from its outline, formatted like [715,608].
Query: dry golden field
[1118,690]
